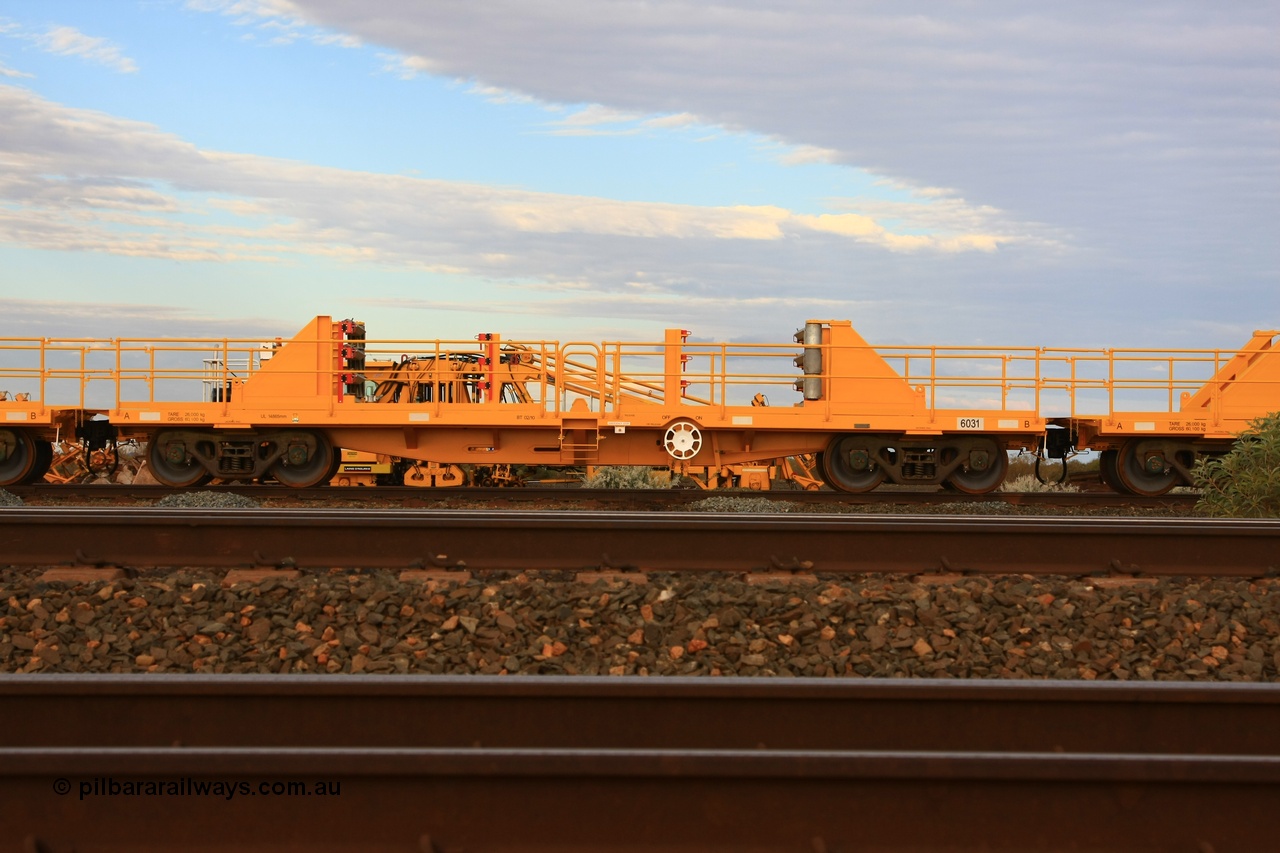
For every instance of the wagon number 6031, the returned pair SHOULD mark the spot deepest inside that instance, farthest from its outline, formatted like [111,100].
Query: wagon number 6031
[970,423]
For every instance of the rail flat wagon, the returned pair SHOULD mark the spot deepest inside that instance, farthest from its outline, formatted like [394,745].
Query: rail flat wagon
[243,410]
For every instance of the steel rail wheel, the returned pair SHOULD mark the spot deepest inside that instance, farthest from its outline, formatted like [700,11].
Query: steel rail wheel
[44,459]
[849,466]
[22,459]
[984,471]
[1142,473]
[1107,471]
[172,465]
[334,465]
[305,468]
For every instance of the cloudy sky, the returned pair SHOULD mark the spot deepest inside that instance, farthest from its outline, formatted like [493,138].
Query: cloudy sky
[1089,173]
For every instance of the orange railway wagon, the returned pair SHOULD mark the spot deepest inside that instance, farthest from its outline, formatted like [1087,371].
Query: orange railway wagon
[243,410]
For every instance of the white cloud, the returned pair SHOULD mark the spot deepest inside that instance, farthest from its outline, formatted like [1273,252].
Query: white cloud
[339,39]
[68,41]
[281,20]
[6,71]
[594,115]
[248,10]
[651,304]
[803,155]
[405,67]
[675,120]
[1146,133]
[74,179]
[495,95]
[58,319]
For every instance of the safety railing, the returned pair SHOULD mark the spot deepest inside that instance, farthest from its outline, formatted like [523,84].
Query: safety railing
[106,373]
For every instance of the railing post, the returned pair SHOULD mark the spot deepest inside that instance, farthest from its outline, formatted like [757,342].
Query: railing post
[44,395]
[84,378]
[226,374]
[724,381]
[1038,379]
[1004,382]
[933,384]
[1072,396]
[672,350]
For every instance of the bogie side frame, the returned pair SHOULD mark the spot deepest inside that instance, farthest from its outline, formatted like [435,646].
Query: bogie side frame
[909,415]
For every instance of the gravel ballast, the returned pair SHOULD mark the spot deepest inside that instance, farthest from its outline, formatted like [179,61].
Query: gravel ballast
[706,624]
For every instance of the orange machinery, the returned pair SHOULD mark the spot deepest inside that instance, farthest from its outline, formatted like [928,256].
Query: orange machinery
[910,415]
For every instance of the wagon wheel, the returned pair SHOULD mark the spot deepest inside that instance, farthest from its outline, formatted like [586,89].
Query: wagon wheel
[983,471]
[849,465]
[1107,472]
[1143,473]
[300,466]
[173,466]
[25,459]
[44,459]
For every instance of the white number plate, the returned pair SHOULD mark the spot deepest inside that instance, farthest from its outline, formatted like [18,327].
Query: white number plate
[970,423]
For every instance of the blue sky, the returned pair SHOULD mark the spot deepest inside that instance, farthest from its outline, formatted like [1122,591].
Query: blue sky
[997,173]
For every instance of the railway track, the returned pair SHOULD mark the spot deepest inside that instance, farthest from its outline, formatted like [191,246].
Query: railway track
[323,538]
[539,764]
[620,498]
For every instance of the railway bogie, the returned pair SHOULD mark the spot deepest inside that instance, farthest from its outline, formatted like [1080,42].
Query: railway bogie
[293,457]
[933,416]
[969,463]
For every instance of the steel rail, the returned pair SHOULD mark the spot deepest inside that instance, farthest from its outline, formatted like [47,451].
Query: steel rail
[629,764]
[558,712]
[626,498]
[649,541]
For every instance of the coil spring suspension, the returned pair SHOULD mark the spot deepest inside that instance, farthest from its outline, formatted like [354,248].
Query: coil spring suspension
[235,459]
[234,465]
[919,464]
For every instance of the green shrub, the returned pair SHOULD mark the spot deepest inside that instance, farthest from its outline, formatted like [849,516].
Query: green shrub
[628,477]
[1244,483]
